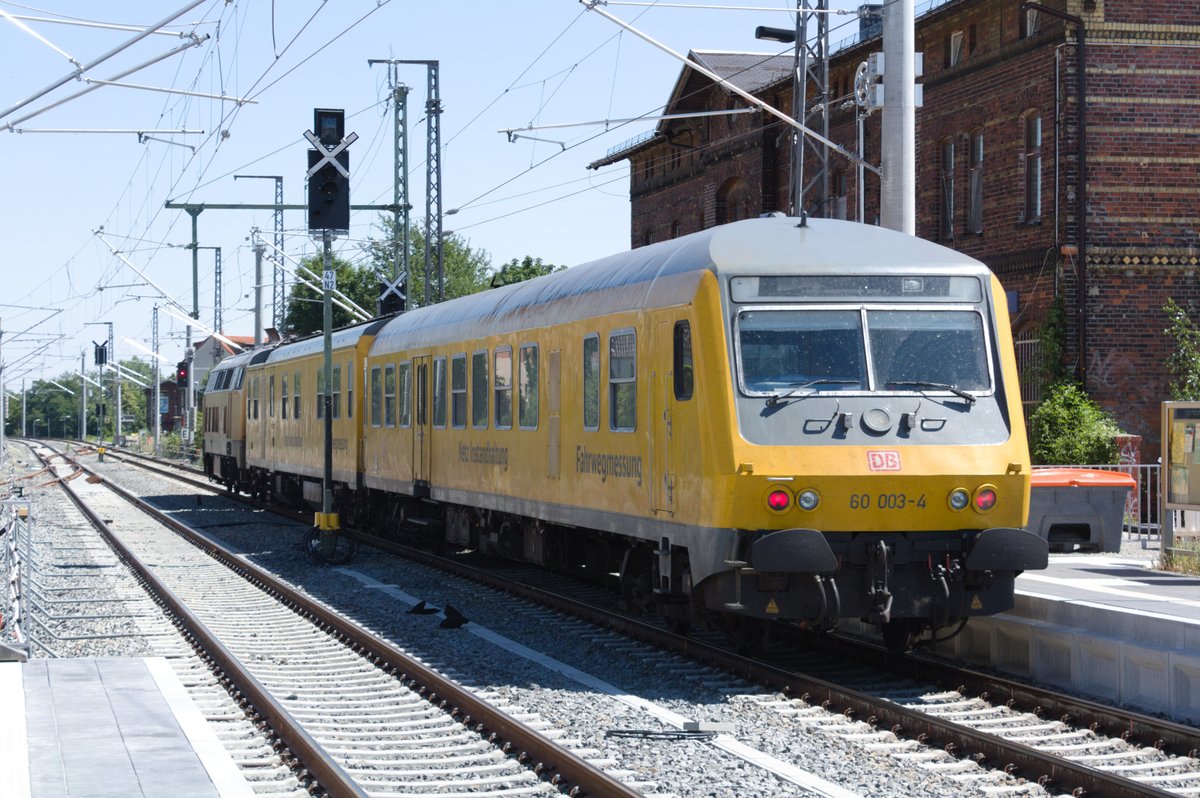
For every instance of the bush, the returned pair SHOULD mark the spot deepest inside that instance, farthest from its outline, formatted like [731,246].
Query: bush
[1068,428]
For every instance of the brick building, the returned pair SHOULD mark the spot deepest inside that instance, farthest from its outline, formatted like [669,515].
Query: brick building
[997,154]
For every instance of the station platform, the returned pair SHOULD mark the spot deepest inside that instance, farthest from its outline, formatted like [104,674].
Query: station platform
[103,728]
[1107,626]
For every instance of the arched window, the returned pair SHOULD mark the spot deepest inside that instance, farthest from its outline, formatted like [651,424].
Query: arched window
[733,201]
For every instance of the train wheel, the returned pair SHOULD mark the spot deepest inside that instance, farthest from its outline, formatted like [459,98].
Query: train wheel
[898,636]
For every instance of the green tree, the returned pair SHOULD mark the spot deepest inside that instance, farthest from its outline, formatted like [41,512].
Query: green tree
[518,271]
[466,270]
[1184,362]
[1068,428]
[305,311]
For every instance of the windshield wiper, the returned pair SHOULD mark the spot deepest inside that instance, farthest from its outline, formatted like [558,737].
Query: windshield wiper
[954,389]
[776,398]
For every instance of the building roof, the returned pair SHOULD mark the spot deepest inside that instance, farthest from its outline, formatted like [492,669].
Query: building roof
[750,72]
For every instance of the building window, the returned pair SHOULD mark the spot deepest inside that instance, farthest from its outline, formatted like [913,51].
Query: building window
[683,372]
[975,204]
[952,49]
[591,383]
[1032,23]
[947,173]
[458,391]
[479,390]
[439,392]
[527,387]
[733,201]
[1033,168]
[405,402]
[622,381]
[839,194]
[503,388]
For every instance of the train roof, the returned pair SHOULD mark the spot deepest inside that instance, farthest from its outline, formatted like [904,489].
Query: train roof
[639,278]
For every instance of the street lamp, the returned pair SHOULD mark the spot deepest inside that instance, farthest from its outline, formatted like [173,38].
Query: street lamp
[785,36]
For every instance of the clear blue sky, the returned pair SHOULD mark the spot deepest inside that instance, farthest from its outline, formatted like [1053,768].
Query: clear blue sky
[503,65]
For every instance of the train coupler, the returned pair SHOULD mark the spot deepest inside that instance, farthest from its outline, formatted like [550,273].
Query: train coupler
[880,595]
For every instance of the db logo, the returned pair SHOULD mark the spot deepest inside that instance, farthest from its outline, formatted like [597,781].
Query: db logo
[883,461]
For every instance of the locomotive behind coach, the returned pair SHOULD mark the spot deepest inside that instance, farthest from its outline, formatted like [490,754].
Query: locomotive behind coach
[773,419]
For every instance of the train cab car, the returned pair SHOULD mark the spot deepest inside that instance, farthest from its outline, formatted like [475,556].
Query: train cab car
[224,447]
[285,416]
[772,419]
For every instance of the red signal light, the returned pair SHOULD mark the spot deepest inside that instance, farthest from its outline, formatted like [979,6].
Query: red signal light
[985,500]
[779,500]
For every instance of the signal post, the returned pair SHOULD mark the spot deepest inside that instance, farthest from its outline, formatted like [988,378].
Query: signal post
[328,214]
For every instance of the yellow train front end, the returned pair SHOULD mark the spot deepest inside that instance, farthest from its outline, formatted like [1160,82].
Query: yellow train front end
[878,465]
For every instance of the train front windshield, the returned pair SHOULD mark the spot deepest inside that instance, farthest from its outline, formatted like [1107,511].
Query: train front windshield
[861,349]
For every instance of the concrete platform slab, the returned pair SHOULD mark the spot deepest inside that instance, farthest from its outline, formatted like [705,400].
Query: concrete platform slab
[94,728]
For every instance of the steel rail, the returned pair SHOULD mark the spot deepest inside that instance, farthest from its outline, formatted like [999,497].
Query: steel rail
[1052,772]
[569,770]
[1048,769]
[332,778]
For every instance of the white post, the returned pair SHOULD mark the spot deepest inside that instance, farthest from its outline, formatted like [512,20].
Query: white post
[898,199]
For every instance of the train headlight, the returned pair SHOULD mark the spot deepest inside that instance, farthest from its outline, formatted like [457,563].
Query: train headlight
[779,500]
[959,499]
[808,499]
[985,498]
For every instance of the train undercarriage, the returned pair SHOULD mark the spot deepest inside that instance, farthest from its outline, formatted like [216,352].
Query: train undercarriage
[904,584]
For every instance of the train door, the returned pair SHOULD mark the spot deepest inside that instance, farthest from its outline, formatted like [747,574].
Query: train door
[662,464]
[421,425]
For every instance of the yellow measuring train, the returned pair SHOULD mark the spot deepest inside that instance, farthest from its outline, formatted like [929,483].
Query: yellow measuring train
[778,418]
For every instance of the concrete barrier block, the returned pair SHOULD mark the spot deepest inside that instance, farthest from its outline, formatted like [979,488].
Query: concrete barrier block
[1144,678]
[1051,650]
[1185,687]
[1010,647]
[1097,665]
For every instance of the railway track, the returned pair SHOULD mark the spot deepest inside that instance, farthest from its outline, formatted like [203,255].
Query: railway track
[892,705]
[358,715]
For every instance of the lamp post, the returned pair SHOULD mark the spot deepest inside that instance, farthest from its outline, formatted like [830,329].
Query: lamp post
[785,36]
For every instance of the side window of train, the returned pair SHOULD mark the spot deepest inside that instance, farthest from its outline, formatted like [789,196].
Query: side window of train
[527,387]
[422,394]
[439,392]
[503,387]
[377,395]
[349,389]
[458,391]
[389,395]
[241,375]
[283,393]
[404,378]
[249,399]
[257,381]
[479,390]
[271,396]
[296,395]
[591,382]
[682,367]
[622,381]
[337,391]
[320,392]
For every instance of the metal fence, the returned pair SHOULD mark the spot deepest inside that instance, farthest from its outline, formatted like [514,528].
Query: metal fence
[1143,506]
[14,542]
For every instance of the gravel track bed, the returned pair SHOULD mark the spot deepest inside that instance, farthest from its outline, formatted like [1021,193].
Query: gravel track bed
[84,603]
[376,590]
